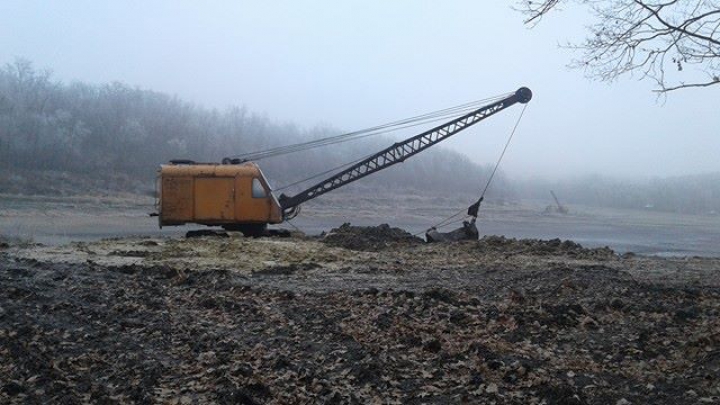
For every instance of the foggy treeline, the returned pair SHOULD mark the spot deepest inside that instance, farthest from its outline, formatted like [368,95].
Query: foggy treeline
[103,132]
[114,129]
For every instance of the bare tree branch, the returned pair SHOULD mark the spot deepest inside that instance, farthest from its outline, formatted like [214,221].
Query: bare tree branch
[685,86]
[675,43]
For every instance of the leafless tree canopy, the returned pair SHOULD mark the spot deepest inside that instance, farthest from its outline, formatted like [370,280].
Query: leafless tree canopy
[675,43]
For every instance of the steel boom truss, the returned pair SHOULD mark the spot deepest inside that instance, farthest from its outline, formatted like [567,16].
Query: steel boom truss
[400,151]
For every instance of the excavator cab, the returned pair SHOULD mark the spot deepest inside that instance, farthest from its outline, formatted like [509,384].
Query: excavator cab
[236,197]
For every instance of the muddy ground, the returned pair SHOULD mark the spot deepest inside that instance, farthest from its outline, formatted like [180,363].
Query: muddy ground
[364,315]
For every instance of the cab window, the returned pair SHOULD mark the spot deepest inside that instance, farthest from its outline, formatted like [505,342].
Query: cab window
[258,191]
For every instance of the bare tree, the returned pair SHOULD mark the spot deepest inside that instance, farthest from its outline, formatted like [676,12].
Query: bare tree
[676,43]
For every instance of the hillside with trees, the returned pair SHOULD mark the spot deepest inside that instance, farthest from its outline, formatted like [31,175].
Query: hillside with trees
[114,131]
[60,139]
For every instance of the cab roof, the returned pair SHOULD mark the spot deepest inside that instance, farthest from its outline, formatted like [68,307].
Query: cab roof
[247,169]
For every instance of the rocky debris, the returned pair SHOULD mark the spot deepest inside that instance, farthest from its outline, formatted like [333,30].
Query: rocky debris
[369,238]
[538,247]
[7,242]
[527,329]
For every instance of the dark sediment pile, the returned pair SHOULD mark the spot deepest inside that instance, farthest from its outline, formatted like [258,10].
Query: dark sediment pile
[377,238]
[369,238]
[501,244]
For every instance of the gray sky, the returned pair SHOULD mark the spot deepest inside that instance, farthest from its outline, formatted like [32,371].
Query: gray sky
[354,64]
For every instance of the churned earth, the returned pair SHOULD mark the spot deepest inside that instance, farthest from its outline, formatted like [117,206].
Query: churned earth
[360,315]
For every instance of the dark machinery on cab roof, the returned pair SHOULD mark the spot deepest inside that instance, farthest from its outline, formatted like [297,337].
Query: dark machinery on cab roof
[236,196]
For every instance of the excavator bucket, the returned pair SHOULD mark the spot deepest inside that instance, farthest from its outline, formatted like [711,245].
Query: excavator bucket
[467,232]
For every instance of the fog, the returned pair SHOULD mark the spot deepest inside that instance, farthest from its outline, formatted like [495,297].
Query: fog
[352,65]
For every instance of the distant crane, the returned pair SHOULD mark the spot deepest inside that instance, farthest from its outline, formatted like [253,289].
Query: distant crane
[557,208]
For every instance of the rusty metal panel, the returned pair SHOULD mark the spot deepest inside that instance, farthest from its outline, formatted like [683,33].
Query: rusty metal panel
[176,200]
[214,199]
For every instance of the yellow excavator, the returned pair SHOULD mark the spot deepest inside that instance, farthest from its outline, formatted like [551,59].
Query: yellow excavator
[235,195]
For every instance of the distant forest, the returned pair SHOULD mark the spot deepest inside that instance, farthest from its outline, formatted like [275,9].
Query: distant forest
[117,136]
[115,129]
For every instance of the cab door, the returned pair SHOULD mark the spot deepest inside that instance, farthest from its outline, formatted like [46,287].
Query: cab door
[253,202]
[214,199]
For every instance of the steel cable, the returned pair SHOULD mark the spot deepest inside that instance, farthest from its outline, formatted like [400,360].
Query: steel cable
[447,221]
[372,131]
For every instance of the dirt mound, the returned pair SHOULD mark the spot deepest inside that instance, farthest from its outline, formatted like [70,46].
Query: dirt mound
[369,238]
[501,244]
[377,238]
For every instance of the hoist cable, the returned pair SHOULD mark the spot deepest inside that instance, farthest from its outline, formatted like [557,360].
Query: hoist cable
[349,136]
[503,151]
[376,130]
[324,142]
[379,127]
[447,221]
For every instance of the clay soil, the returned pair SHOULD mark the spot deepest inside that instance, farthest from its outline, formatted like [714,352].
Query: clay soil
[361,315]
